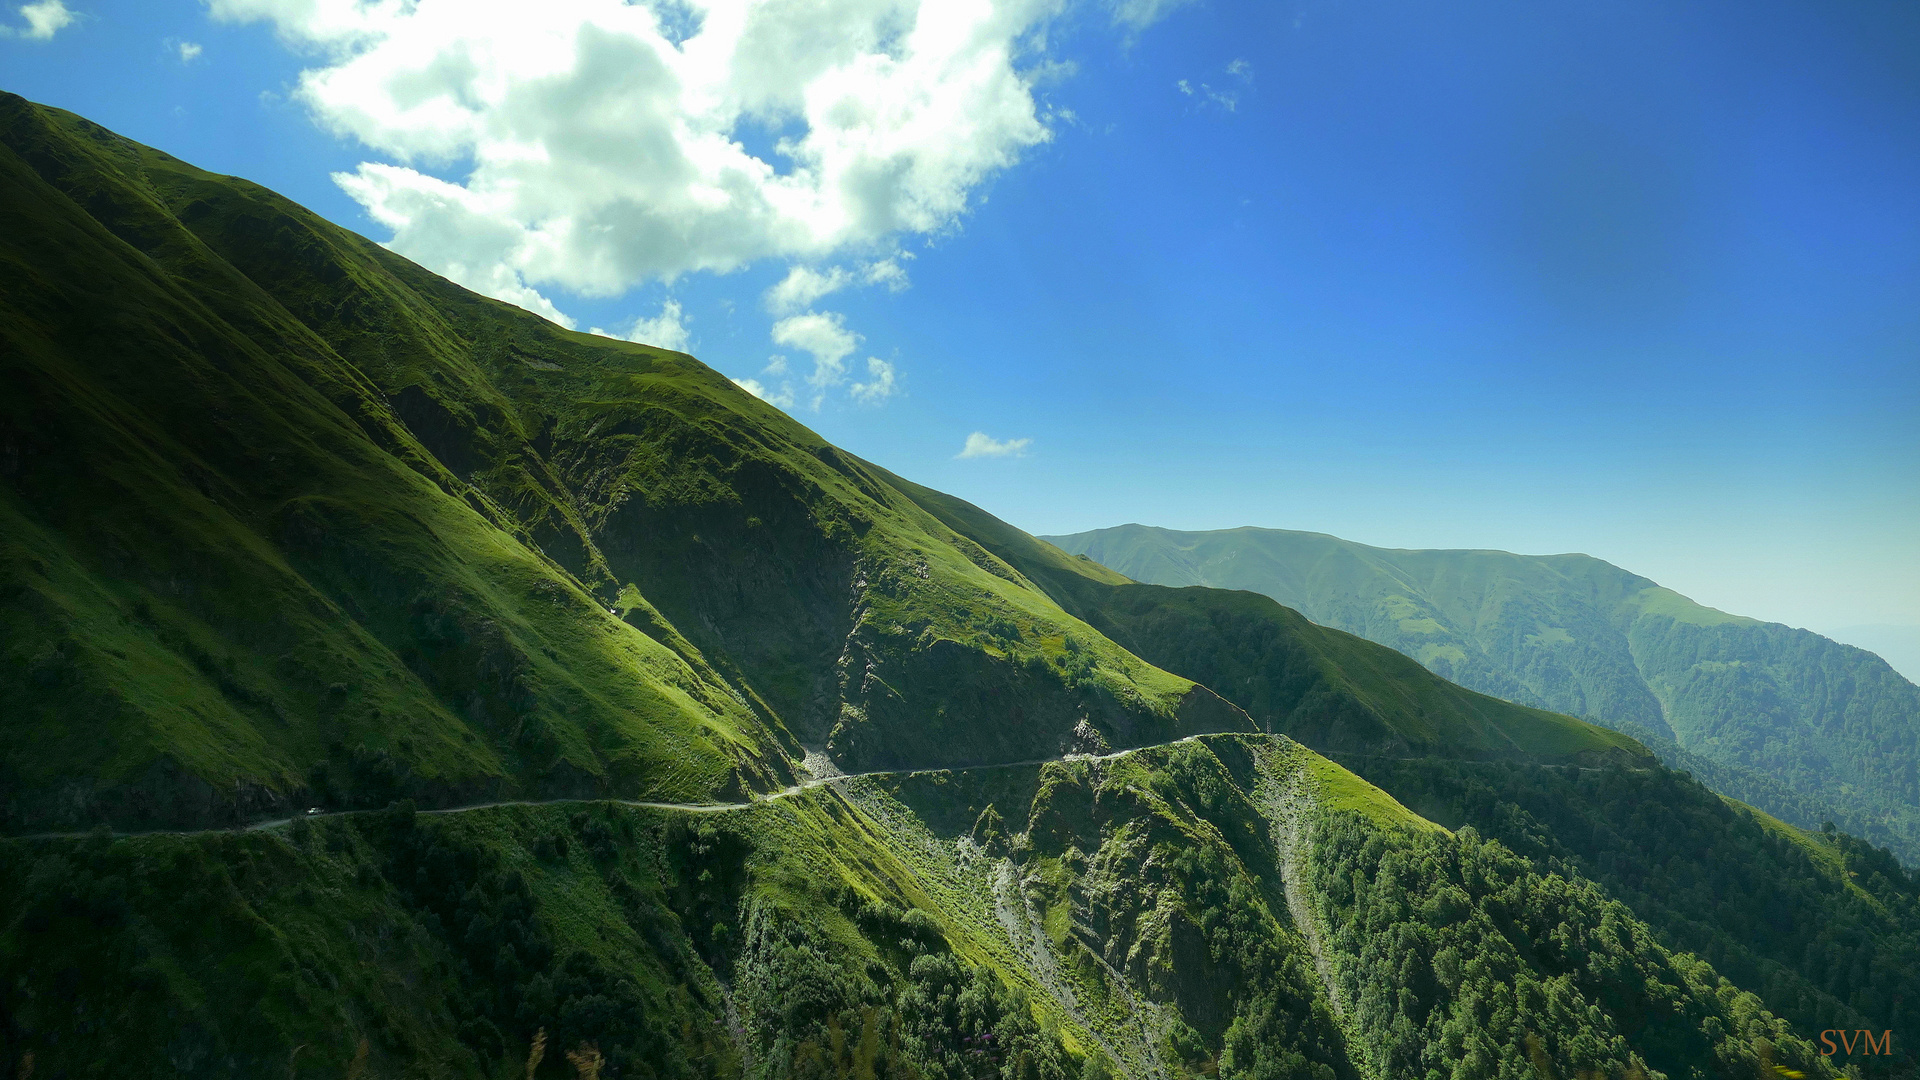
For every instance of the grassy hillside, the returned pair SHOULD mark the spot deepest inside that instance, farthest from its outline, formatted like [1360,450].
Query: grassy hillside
[1229,907]
[1327,688]
[233,573]
[1829,723]
[287,518]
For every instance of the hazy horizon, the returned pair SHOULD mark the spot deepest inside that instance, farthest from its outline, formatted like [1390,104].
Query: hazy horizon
[1896,643]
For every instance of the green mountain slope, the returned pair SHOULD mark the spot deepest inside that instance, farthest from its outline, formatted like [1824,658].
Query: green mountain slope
[1330,689]
[1898,645]
[1833,726]
[288,518]
[232,572]
[1824,927]
[285,519]
[1232,907]
[1778,908]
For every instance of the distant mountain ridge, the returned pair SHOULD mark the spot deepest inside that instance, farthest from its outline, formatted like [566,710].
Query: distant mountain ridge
[1897,644]
[1833,726]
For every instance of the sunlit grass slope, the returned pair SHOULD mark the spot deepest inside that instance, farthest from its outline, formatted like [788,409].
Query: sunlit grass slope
[286,517]
[232,572]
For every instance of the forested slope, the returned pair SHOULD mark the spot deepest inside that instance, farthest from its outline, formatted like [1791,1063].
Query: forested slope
[1826,927]
[1831,725]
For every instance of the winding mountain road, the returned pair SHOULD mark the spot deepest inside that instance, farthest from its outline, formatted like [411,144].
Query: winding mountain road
[691,808]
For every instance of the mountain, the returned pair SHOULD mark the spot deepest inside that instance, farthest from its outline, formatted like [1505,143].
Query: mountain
[290,519]
[1817,729]
[659,738]
[1898,645]
[1331,689]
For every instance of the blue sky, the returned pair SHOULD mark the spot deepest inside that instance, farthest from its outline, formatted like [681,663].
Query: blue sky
[1636,280]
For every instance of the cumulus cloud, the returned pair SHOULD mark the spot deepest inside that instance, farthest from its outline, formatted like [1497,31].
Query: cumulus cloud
[189,51]
[667,330]
[44,19]
[879,384]
[825,335]
[980,444]
[887,272]
[605,143]
[778,394]
[804,284]
[781,398]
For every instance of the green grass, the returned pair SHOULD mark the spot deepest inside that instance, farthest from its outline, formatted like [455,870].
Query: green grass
[1341,790]
[296,586]
[341,929]
[1665,602]
[299,521]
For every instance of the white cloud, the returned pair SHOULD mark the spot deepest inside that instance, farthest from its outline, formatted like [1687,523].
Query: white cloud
[1137,15]
[887,272]
[779,395]
[779,399]
[1226,99]
[603,144]
[980,444]
[667,330]
[458,227]
[879,384]
[803,285]
[44,19]
[826,336]
[189,51]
